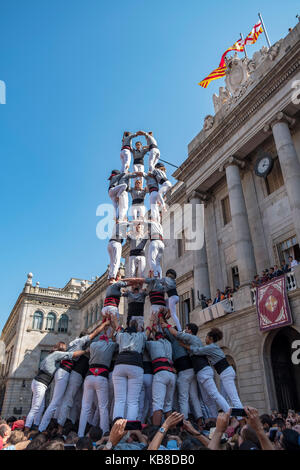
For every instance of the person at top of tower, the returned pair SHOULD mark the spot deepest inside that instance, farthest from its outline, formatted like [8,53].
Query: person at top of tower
[154,152]
[139,153]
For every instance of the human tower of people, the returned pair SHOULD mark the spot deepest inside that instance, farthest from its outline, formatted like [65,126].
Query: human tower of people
[143,371]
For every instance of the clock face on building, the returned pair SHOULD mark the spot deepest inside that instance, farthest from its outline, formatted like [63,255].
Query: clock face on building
[263,165]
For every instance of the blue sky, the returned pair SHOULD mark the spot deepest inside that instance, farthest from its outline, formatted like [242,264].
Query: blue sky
[77,75]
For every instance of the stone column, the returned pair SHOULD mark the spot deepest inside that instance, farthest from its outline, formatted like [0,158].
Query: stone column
[240,223]
[289,162]
[201,276]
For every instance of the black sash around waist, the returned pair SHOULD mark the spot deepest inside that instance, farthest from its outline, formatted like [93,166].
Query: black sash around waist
[152,188]
[135,309]
[138,161]
[137,252]
[172,292]
[221,365]
[132,358]
[66,365]
[183,363]
[137,201]
[152,146]
[199,362]
[43,377]
[162,364]
[116,240]
[157,298]
[98,370]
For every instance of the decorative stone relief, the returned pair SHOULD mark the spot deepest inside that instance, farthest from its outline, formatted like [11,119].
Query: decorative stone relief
[236,74]
[219,101]
[208,122]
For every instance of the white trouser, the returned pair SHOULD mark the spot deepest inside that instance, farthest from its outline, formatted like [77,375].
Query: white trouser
[187,389]
[171,304]
[138,211]
[140,168]
[205,378]
[137,266]
[128,381]
[110,310]
[162,191]
[125,160]
[116,193]
[123,205]
[155,309]
[154,206]
[227,380]
[154,155]
[75,411]
[91,385]
[163,387]
[115,252]
[61,379]
[155,253]
[111,400]
[145,404]
[74,385]
[37,403]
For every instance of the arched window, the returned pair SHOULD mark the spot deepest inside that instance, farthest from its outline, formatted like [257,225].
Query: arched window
[50,325]
[86,320]
[37,322]
[91,317]
[63,324]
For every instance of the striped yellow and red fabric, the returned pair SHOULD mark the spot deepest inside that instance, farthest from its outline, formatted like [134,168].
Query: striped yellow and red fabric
[217,73]
[237,46]
[253,35]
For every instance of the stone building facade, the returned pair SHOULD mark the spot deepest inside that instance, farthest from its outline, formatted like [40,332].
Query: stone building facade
[250,223]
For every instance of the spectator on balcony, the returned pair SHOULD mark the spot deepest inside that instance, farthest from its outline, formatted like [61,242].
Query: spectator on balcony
[292,262]
[228,292]
[277,271]
[265,276]
[203,301]
[256,281]
[271,273]
[209,302]
[285,267]
[219,297]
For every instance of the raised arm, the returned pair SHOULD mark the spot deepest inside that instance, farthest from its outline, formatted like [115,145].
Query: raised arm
[169,423]
[255,422]
[99,329]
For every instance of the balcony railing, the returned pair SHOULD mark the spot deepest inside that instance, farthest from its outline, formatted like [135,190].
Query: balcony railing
[291,284]
[53,293]
[217,310]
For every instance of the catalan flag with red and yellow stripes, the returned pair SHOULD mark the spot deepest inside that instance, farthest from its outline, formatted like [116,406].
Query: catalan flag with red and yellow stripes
[237,46]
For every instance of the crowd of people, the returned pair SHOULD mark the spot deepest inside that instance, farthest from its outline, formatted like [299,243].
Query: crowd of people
[274,431]
[274,271]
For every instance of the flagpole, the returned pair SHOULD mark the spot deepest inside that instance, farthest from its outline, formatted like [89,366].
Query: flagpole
[168,163]
[245,50]
[264,28]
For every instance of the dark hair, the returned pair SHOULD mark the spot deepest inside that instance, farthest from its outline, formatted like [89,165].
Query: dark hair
[95,433]
[83,333]
[266,419]
[215,334]
[84,443]
[290,440]
[37,442]
[60,346]
[193,327]
[279,422]
[192,444]
[11,419]
[248,434]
